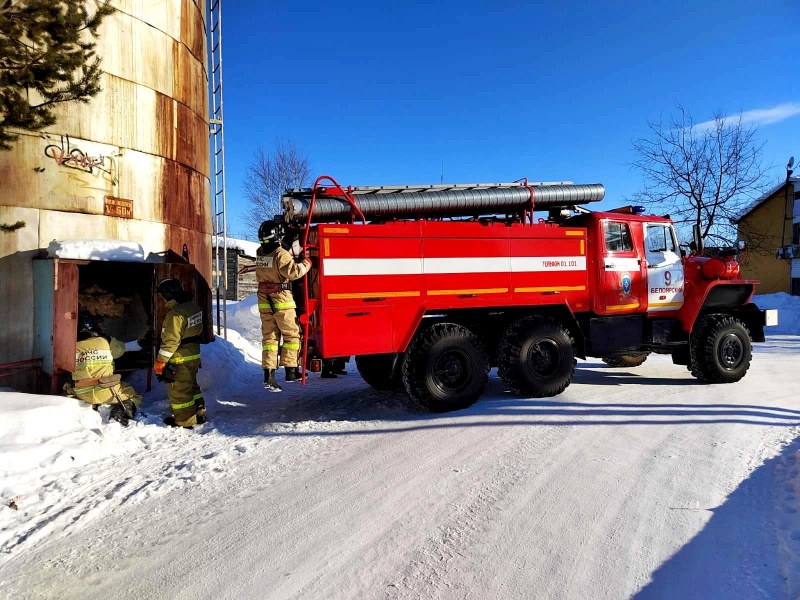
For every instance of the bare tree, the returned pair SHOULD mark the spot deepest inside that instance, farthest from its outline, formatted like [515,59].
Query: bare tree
[268,176]
[705,173]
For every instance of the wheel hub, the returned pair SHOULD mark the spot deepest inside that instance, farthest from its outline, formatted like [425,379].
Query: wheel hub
[452,370]
[544,357]
[731,351]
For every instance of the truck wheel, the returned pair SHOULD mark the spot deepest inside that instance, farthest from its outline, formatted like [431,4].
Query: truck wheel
[376,370]
[445,368]
[536,357]
[627,360]
[721,349]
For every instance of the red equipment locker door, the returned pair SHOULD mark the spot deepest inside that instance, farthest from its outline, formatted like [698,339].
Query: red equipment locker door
[622,281]
[65,315]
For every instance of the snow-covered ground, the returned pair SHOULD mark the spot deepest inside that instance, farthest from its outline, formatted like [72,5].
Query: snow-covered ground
[634,482]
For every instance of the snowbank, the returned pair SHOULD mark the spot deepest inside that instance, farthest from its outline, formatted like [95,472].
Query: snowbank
[244,319]
[118,250]
[39,430]
[788,312]
[52,448]
[43,440]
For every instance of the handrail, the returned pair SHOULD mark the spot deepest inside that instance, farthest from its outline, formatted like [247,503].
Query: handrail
[354,210]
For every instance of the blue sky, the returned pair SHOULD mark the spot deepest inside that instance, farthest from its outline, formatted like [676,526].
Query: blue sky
[380,93]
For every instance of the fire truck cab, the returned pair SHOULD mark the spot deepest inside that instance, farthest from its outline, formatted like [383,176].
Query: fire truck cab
[429,297]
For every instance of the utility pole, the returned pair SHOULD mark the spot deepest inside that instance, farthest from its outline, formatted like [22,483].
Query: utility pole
[786,208]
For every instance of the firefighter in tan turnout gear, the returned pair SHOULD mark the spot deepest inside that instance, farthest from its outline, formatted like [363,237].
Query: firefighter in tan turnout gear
[94,381]
[178,357]
[275,270]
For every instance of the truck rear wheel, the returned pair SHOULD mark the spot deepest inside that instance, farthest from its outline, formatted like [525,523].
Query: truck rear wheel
[445,368]
[626,360]
[721,349]
[536,357]
[376,370]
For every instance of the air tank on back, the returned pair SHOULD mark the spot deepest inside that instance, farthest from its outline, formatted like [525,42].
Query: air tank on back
[131,164]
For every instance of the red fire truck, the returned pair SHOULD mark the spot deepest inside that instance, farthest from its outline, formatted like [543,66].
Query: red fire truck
[430,287]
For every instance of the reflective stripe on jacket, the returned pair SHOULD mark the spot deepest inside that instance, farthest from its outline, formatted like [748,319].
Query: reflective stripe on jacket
[278,266]
[183,321]
[94,357]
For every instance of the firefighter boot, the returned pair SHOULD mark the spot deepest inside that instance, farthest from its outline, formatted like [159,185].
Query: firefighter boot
[123,412]
[269,381]
[292,374]
[170,420]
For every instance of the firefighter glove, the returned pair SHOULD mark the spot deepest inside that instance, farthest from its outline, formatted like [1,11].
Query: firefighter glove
[167,374]
[158,367]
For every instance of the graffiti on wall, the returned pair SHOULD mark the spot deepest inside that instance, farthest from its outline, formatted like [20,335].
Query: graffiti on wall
[67,154]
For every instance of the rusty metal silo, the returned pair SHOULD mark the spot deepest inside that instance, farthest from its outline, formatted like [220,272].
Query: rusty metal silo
[131,164]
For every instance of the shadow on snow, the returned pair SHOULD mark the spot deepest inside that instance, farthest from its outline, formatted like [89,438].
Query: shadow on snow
[350,400]
[737,553]
[239,406]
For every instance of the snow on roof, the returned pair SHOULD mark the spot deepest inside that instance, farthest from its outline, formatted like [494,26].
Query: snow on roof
[117,250]
[243,246]
[761,199]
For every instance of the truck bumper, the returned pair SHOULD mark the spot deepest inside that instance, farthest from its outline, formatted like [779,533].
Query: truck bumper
[755,319]
[770,317]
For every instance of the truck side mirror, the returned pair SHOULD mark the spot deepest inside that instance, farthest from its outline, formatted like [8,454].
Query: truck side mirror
[697,238]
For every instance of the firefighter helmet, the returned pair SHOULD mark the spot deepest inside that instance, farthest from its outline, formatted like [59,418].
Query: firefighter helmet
[268,232]
[89,326]
[170,288]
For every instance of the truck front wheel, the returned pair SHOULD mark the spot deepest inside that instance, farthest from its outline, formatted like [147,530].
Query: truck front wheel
[445,368]
[376,370]
[536,357]
[721,349]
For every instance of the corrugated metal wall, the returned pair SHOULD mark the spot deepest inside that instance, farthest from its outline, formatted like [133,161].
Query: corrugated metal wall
[141,144]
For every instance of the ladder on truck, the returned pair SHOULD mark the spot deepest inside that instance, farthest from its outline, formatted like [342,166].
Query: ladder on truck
[219,223]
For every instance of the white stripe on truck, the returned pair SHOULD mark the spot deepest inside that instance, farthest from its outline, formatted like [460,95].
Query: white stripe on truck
[440,266]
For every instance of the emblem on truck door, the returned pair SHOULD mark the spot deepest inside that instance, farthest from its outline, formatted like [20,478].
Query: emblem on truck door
[626,283]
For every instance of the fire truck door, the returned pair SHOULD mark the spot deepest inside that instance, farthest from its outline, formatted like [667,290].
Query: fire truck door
[622,285]
[664,268]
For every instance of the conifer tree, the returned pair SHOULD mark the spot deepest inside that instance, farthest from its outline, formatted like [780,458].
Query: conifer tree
[46,57]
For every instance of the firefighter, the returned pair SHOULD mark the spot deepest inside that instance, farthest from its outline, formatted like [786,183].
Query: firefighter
[275,270]
[94,365]
[178,357]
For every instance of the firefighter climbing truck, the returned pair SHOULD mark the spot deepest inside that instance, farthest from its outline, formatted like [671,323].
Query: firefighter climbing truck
[430,287]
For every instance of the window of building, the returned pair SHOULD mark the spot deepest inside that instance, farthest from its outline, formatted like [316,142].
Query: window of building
[618,237]
[796,233]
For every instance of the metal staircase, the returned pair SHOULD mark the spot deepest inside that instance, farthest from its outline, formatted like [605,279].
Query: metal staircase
[219,222]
